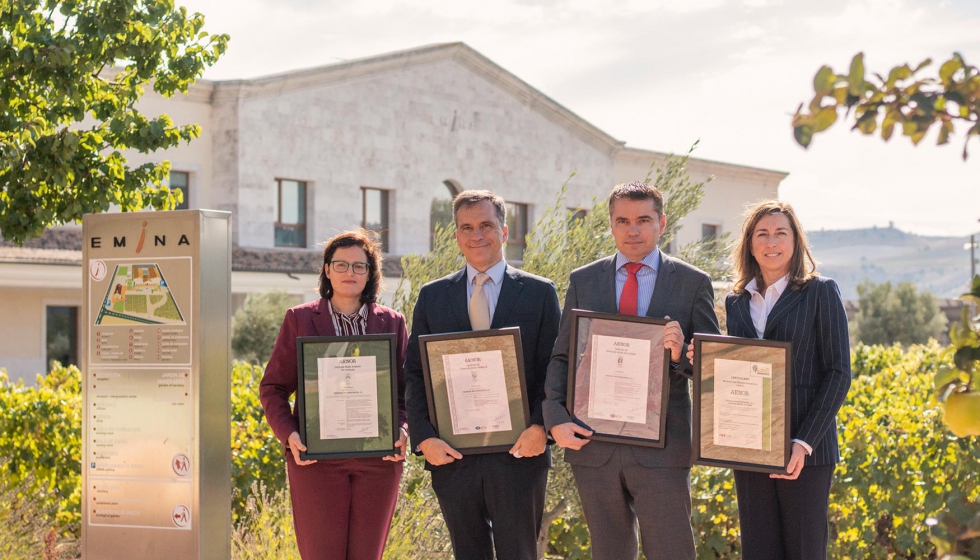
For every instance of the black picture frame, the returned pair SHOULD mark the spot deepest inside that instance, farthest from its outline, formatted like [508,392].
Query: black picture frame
[776,430]
[585,325]
[311,348]
[508,341]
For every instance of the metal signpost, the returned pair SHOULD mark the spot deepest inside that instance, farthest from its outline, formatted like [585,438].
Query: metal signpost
[156,459]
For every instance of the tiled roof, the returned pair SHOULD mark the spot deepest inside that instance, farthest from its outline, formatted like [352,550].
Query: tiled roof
[64,246]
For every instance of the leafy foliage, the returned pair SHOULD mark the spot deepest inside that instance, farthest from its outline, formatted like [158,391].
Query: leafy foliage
[72,74]
[956,529]
[257,457]
[40,443]
[903,100]
[420,269]
[265,528]
[255,326]
[888,314]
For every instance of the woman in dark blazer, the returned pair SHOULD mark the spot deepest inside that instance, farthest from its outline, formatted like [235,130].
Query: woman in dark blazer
[342,508]
[779,296]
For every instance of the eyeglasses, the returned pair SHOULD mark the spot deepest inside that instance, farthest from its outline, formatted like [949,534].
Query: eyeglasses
[341,267]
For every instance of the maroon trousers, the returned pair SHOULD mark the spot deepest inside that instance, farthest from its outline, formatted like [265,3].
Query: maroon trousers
[342,508]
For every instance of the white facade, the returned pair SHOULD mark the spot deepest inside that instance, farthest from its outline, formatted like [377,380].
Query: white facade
[408,123]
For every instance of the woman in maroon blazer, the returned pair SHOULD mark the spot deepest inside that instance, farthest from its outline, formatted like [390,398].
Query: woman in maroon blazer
[342,508]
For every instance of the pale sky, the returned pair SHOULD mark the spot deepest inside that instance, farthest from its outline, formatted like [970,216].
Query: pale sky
[660,74]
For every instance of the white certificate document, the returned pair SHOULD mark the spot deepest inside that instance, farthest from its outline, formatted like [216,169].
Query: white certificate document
[477,392]
[348,390]
[620,380]
[739,395]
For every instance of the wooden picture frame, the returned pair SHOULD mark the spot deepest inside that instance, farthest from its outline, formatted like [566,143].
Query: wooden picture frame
[742,404]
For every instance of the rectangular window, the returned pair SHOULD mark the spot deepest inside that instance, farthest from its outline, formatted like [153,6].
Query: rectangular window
[576,215]
[181,180]
[374,213]
[61,338]
[516,231]
[669,249]
[710,231]
[291,213]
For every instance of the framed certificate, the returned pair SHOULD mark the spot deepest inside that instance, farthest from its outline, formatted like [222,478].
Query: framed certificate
[476,389]
[347,396]
[617,377]
[742,403]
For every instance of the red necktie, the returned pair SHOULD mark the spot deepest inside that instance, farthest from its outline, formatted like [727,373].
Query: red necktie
[627,299]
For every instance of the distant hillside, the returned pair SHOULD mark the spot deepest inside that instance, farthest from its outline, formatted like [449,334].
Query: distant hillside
[938,264]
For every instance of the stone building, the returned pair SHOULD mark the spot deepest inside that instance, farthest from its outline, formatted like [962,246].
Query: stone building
[384,142]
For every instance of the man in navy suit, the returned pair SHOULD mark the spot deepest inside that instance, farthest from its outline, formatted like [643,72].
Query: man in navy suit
[492,501]
[624,485]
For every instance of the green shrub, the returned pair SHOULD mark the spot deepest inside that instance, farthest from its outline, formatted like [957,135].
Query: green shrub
[256,454]
[40,430]
[255,326]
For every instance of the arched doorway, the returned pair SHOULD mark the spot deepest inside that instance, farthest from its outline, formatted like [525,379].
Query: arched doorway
[441,208]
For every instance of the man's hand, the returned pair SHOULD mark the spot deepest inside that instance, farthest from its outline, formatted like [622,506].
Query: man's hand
[400,444]
[531,443]
[296,445]
[438,452]
[690,351]
[674,339]
[565,435]
[795,466]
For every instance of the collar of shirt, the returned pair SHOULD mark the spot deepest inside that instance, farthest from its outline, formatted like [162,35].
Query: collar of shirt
[496,273]
[761,304]
[362,311]
[779,286]
[652,260]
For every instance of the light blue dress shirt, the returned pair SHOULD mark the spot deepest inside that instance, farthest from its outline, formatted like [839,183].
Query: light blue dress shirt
[491,287]
[646,279]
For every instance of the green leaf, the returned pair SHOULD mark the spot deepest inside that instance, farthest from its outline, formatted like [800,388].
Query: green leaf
[803,134]
[824,119]
[948,69]
[944,133]
[823,81]
[855,78]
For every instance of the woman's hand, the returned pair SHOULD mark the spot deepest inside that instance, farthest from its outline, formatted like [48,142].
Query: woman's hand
[795,466]
[296,445]
[400,444]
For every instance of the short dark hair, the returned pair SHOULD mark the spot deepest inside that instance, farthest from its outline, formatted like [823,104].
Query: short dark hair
[637,190]
[467,198]
[364,239]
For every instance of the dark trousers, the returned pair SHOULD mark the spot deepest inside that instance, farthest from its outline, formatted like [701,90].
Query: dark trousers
[342,508]
[784,519]
[492,503]
[622,494]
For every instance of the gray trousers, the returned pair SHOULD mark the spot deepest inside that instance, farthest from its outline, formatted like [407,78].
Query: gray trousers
[622,494]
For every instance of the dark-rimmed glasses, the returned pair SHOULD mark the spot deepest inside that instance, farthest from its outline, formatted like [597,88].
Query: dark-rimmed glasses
[341,267]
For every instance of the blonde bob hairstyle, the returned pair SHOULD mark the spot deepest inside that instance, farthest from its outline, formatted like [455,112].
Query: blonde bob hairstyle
[802,266]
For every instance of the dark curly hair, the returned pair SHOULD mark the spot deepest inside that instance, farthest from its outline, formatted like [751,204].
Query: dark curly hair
[364,239]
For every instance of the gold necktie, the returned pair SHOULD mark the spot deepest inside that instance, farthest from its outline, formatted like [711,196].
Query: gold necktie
[479,308]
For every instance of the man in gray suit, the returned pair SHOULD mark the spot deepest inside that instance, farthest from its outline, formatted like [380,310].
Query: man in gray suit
[622,484]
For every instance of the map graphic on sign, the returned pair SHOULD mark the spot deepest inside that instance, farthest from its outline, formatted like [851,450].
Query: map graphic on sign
[138,294]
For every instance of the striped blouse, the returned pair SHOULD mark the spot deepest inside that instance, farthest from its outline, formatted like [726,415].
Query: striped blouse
[349,325]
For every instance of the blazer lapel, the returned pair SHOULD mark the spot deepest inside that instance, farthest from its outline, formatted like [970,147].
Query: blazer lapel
[322,319]
[376,321]
[607,287]
[742,316]
[510,289]
[786,302]
[456,298]
[663,287]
